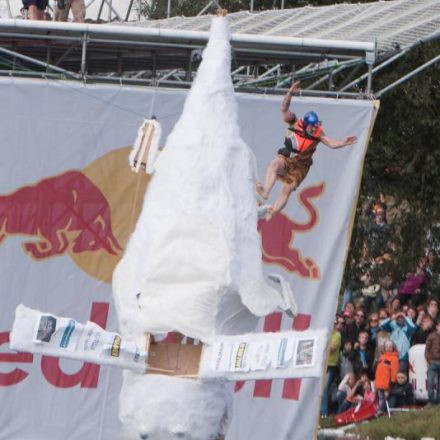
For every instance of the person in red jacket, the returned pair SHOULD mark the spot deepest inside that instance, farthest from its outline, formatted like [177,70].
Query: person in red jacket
[386,372]
[293,162]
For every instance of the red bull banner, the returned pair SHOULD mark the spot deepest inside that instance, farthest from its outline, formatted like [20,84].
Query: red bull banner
[68,203]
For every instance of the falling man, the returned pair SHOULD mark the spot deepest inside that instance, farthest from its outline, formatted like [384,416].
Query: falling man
[293,162]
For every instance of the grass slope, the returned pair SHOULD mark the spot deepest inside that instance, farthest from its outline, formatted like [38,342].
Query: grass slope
[407,425]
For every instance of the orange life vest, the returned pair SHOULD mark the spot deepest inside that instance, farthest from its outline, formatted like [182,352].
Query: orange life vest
[303,139]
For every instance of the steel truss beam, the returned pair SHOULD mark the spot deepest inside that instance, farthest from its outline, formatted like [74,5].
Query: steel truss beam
[171,56]
[38,63]
[128,54]
[272,79]
[408,76]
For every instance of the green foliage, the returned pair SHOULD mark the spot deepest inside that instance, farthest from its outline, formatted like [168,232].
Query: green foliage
[410,426]
[403,159]
[403,156]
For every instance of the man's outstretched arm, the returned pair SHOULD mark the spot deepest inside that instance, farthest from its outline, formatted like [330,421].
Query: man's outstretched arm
[288,116]
[334,143]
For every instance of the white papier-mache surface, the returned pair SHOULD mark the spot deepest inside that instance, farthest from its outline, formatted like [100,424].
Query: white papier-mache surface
[196,239]
[158,407]
[254,356]
[44,333]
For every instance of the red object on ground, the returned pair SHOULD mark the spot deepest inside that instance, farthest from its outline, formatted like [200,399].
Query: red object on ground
[356,414]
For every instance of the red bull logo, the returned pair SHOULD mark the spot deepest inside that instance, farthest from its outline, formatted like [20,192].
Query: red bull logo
[278,235]
[63,212]
[75,213]
[90,213]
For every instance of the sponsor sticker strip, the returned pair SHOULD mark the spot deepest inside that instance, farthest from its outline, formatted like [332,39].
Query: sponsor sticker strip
[65,337]
[276,352]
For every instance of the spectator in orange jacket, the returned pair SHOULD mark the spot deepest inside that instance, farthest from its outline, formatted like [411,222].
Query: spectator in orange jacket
[386,372]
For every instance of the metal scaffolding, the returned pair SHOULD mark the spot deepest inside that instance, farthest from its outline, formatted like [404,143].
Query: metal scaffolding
[334,50]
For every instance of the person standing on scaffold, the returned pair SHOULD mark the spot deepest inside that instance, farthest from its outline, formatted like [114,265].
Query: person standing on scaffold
[293,162]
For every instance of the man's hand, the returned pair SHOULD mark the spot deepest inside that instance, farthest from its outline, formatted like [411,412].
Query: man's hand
[288,116]
[350,140]
[295,88]
[334,143]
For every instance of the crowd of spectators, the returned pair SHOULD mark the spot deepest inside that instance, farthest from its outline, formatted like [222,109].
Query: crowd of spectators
[39,10]
[369,355]
[380,319]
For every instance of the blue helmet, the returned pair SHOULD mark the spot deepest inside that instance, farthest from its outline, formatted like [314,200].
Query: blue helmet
[311,118]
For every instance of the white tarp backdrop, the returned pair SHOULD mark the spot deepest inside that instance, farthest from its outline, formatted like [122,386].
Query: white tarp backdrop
[58,135]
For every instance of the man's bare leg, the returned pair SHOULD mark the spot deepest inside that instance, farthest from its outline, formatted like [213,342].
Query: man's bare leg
[282,200]
[35,13]
[275,168]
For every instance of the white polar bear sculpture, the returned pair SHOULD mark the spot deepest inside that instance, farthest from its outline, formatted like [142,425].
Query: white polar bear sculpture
[193,263]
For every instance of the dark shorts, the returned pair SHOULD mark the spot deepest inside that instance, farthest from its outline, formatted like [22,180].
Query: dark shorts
[40,4]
